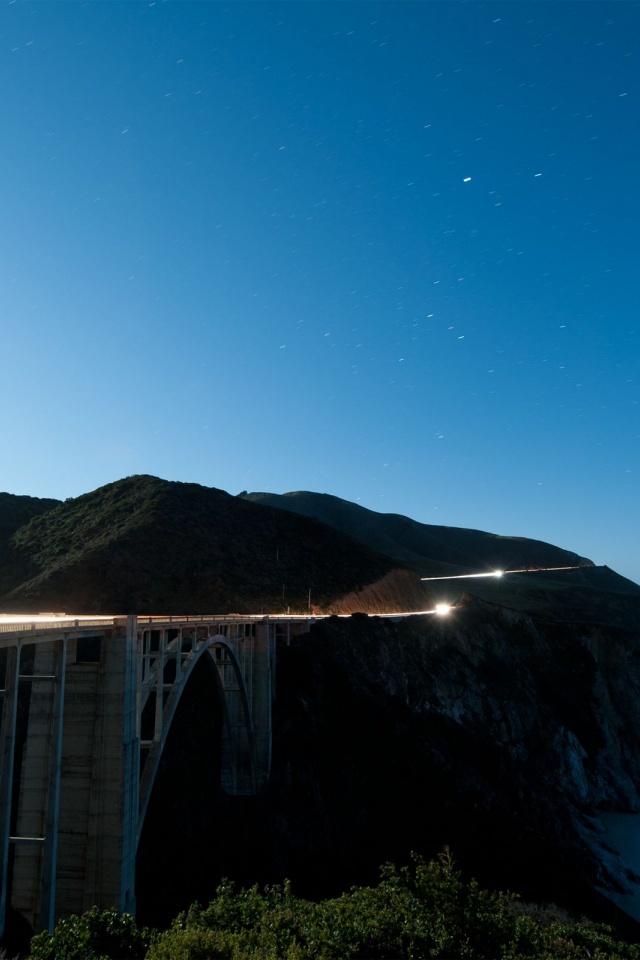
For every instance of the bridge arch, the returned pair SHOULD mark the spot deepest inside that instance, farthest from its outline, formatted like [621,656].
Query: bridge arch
[239,773]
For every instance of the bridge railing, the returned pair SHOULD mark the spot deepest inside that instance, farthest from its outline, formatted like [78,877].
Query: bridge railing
[60,624]
[46,626]
[224,618]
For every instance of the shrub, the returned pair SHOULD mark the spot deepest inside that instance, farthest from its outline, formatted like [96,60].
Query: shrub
[95,935]
[193,943]
[424,910]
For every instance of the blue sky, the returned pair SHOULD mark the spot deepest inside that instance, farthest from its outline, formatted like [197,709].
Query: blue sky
[386,251]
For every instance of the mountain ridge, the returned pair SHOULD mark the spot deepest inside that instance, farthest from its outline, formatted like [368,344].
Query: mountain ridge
[597,594]
[147,545]
[406,539]
[143,544]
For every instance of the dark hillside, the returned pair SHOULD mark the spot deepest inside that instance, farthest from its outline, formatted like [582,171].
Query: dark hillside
[16,511]
[425,547]
[148,545]
[597,594]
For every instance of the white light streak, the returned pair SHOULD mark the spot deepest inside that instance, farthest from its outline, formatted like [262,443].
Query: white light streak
[499,573]
[470,576]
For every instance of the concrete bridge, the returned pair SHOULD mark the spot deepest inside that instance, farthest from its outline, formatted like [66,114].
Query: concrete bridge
[86,707]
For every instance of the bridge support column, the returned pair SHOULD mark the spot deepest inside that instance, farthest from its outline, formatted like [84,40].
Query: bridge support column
[48,896]
[262,696]
[70,775]
[8,731]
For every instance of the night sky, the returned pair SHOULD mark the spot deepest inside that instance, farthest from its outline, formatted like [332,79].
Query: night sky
[386,251]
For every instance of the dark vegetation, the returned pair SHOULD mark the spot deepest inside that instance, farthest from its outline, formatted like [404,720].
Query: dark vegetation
[425,910]
[424,547]
[15,512]
[145,545]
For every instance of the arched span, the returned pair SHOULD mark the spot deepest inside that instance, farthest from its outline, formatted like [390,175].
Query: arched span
[239,764]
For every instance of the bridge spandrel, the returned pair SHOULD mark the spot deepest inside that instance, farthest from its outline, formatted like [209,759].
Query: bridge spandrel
[237,649]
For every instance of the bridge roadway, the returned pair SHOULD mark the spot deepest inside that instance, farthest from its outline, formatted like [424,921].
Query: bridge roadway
[86,706]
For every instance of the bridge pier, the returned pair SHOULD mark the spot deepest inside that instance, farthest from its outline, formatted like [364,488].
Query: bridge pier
[69,777]
[85,710]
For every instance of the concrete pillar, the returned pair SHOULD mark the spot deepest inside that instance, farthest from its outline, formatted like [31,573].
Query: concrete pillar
[8,730]
[77,801]
[50,865]
[38,784]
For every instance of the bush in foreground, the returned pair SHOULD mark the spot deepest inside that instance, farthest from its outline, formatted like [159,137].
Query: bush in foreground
[95,935]
[424,910]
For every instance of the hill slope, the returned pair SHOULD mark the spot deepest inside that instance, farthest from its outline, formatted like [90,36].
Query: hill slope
[147,545]
[589,592]
[427,548]
[15,511]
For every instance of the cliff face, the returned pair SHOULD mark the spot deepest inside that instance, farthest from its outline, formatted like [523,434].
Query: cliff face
[496,734]
[488,731]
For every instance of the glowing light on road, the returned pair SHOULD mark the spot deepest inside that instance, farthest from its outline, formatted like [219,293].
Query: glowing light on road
[442,609]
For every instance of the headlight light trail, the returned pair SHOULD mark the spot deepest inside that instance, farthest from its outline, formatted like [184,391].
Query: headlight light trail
[499,573]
